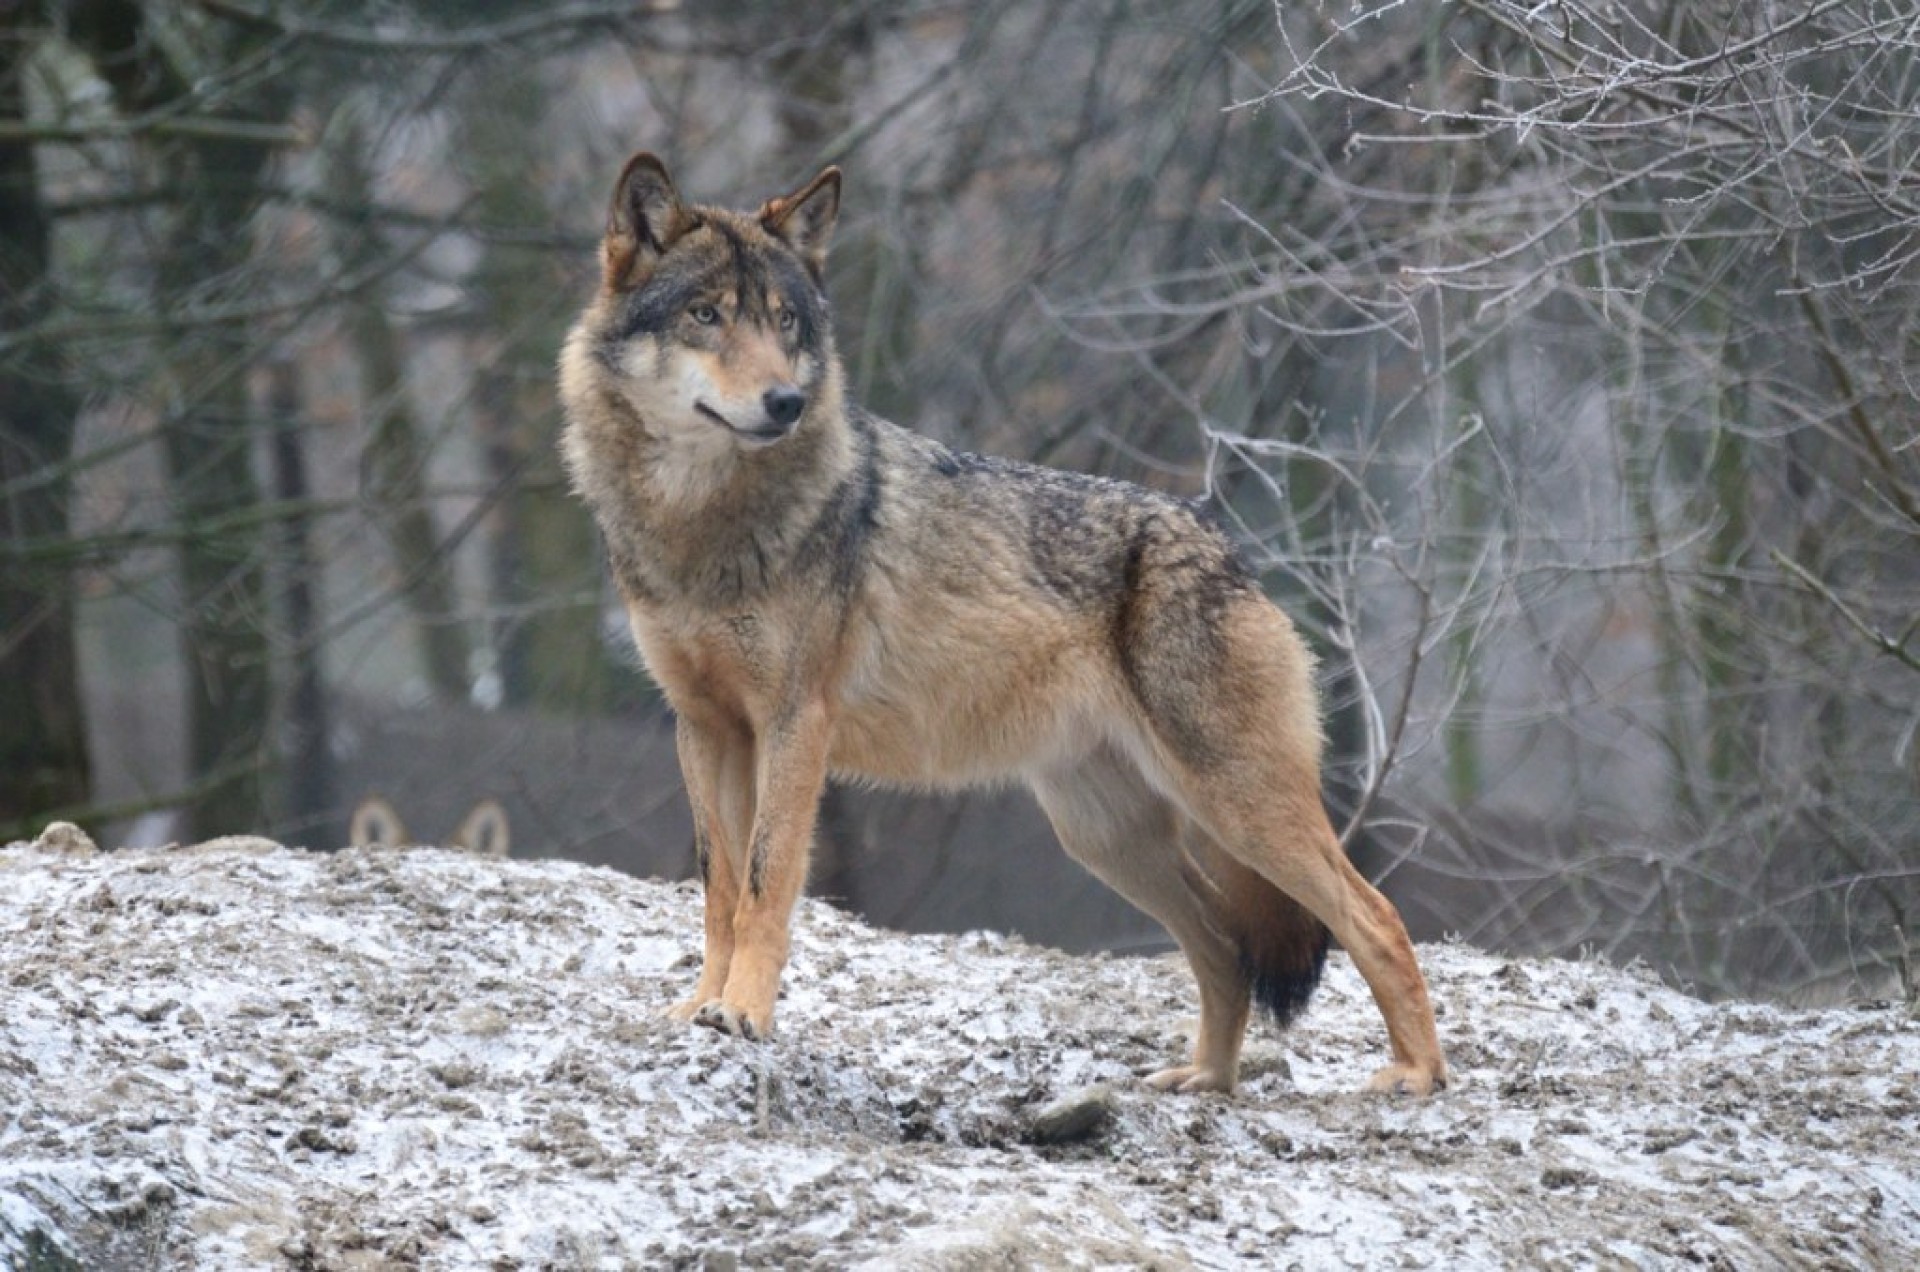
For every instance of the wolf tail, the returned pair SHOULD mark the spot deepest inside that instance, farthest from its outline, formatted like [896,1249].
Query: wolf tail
[1282,946]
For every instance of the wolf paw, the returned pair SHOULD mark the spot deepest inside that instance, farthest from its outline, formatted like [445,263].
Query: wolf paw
[685,1011]
[717,1014]
[1408,1079]
[1189,1079]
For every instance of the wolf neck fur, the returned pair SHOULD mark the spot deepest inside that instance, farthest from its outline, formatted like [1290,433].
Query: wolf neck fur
[715,530]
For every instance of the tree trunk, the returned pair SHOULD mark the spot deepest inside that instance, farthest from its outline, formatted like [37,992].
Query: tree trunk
[206,422]
[395,461]
[546,571]
[545,555]
[43,747]
[309,791]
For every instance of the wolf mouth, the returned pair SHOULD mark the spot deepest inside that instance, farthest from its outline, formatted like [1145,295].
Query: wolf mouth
[755,436]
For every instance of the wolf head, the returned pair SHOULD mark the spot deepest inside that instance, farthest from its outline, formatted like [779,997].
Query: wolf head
[711,325]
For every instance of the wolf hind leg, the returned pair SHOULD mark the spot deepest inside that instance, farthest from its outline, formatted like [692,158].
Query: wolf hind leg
[1269,816]
[1141,845]
[1227,698]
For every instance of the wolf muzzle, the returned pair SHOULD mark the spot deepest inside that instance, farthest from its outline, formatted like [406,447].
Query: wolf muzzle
[781,408]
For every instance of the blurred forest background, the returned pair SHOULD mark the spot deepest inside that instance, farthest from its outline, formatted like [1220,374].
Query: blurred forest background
[1555,362]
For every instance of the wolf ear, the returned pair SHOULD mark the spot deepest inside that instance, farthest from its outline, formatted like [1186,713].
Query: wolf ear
[645,218]
[376,823]
[805,218]
[484,831]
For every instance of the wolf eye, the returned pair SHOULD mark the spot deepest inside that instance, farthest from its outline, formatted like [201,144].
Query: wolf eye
[788,320]
[705,315]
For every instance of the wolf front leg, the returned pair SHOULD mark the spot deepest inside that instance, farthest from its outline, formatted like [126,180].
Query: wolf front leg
[716,762]
[791,770]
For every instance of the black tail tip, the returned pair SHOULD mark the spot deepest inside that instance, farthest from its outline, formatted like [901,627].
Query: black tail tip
[1283,991]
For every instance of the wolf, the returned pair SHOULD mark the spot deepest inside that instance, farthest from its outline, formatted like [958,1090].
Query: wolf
[821,593]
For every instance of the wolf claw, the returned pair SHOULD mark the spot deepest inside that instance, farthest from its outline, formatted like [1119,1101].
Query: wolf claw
[728,1020]
[1189,1079]
[1408,1079]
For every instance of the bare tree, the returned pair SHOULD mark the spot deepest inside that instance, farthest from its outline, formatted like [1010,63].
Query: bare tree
[1633,286]
[1552,361]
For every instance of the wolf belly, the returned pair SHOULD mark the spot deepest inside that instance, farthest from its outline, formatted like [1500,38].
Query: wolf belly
[954,694]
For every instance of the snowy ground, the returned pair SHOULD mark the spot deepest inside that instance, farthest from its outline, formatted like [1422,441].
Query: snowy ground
[239,1056]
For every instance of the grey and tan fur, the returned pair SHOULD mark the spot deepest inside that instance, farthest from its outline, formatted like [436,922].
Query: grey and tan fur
[820,592]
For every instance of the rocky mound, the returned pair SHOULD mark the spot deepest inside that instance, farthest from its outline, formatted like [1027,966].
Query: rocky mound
[241,1055]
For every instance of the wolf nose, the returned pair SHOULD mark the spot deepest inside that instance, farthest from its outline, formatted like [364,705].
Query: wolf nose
[784,404]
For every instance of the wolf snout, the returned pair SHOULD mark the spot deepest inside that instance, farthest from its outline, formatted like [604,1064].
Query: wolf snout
[783,404]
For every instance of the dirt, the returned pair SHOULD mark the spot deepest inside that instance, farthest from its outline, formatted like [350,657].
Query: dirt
[239,1055]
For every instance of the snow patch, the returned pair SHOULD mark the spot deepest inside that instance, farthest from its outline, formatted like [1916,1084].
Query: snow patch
[239,1055]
